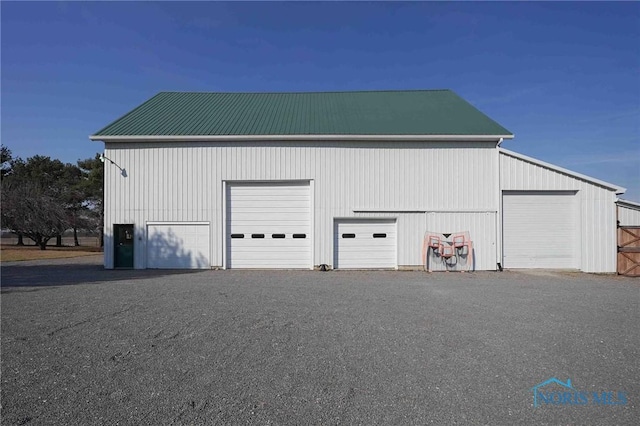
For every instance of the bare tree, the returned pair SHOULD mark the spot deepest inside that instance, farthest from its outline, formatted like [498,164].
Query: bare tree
[7,162]
[27,209]
[91,185]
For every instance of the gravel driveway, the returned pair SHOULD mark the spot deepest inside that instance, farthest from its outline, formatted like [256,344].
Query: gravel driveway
[81,345]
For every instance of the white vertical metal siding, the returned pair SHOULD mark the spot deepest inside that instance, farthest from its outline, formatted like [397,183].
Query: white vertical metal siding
[628,216]
[184,182]
[597,208]
[482,232]
[178,246]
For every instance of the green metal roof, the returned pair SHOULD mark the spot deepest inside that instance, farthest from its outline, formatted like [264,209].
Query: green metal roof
[412,112]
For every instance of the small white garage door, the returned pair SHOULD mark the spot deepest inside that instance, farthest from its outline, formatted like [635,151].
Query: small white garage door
[269,225]
[365,244]
[540,230]
[178,246]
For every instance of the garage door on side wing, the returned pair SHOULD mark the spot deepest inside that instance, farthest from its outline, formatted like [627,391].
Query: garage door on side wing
[365,244]
[541,229]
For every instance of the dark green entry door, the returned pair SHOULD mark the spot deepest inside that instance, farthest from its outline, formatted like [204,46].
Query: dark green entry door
[123,246]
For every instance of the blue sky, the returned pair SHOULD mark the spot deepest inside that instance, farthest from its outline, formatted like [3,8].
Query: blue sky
[564,77]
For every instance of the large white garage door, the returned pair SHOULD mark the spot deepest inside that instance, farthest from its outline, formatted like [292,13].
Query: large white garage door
[540,230]
[178,246]
[269,225]
[365,244]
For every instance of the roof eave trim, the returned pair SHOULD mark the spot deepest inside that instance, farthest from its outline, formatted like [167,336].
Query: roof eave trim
[618,189]
[221,138]
[630,204]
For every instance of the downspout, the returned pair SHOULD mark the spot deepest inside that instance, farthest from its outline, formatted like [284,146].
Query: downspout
[499,249]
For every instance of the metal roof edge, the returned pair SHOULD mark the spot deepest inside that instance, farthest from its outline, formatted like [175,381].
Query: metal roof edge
[626,203]
[218,138]
[132,111]
[269,92]
[618,189]
[482,113]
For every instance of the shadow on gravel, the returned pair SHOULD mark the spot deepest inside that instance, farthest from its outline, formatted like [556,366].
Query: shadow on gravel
[167,248]
[18,276]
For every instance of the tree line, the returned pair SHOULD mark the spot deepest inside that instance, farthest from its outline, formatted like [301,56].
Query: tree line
[42,197]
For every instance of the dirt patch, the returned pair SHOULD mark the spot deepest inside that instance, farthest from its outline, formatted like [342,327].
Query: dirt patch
[19,253]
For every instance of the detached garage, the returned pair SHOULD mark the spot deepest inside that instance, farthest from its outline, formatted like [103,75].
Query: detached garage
[628,238]
[350,180]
